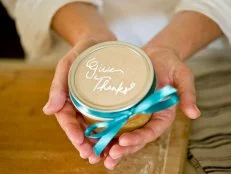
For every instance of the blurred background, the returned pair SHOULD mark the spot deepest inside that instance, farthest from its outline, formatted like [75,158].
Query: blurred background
[9,39]
[23,134]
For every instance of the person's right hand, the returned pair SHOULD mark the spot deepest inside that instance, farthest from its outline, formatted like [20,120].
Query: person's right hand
[59,104]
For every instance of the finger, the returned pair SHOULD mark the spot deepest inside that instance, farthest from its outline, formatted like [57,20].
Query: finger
[72,127]
[59,86]
[107,149]
[158,124]
[184,81]
[85,149]
[118,151]
[110,163]
[69,123]
[93,158]
[58,91]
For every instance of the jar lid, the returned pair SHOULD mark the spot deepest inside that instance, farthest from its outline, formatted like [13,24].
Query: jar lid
[110,76]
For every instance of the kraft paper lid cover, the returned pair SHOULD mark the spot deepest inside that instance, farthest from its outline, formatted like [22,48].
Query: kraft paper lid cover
[110,76]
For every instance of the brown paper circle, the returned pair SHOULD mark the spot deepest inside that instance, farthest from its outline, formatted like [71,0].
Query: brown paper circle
[111,76]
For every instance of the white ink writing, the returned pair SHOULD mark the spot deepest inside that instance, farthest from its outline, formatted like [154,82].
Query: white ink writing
[103,82]
[94,66]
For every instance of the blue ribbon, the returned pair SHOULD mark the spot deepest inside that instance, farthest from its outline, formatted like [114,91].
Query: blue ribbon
[153,102]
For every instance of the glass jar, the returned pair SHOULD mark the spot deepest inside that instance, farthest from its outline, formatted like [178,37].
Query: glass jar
[111,77]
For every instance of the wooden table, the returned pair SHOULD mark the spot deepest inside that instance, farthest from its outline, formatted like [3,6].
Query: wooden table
[32,143]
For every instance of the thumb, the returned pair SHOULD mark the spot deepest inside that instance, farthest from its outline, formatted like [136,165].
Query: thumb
[59,88]
[184,81]
[55,102]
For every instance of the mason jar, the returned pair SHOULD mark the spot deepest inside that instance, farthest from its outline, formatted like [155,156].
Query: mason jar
[108,78]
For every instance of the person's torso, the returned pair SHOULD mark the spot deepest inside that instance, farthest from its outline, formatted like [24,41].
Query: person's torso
[137,21]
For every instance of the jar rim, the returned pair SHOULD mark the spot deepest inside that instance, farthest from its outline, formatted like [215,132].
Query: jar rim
[97,47]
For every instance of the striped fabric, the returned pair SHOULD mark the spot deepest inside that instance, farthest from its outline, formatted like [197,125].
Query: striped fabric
[210,139]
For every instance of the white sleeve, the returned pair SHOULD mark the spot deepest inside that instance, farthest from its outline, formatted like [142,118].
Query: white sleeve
[218,10]
[33,20]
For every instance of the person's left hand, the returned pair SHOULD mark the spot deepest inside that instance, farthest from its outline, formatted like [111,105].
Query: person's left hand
[170,70]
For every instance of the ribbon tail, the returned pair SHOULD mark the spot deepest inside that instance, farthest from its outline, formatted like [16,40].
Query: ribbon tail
[106,139]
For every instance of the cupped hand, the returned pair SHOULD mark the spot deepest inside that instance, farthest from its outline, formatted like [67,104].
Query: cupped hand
[68,117]
[170,70]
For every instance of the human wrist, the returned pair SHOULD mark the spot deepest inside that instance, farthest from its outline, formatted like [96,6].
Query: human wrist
[161,50]
[91,35]
[182,37]
[80,20]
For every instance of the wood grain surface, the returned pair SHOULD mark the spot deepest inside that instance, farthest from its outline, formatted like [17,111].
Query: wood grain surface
[32,143]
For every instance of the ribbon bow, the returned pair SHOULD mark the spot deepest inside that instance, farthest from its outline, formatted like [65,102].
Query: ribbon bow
[153,102]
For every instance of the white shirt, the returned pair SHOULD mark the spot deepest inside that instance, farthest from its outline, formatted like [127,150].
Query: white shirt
[134,21]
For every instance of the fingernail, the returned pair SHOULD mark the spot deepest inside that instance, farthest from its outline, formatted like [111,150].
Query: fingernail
[93,160]
[83,156]
[198,112]
[123,142]
[46,106]
[196,108]
[110,167]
